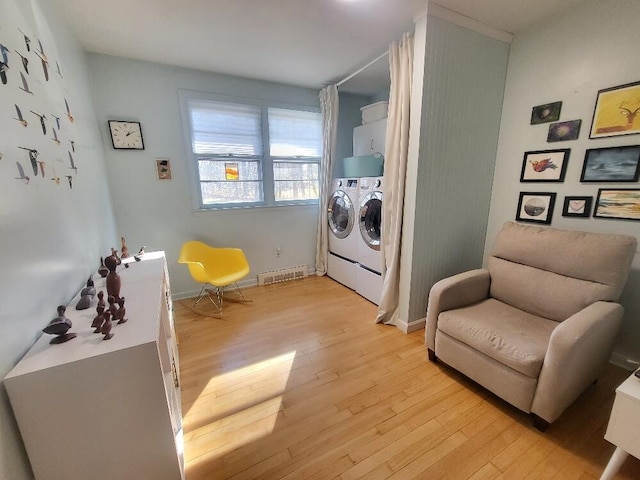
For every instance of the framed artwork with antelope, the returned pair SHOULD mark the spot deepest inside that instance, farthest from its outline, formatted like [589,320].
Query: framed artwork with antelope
[617,111]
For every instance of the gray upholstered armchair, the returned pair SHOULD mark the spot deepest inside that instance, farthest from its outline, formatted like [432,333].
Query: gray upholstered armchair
[536,326]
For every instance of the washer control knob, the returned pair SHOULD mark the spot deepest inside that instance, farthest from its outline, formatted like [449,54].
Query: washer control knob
[339,183]
[378,183]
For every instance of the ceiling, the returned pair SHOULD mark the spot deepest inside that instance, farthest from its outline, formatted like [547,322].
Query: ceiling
[307,43]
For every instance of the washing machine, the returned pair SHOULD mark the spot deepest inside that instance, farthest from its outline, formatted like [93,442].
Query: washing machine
[369,257]
[343,231]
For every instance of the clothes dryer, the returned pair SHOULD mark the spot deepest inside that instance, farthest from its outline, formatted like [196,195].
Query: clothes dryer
[368,274]
[343,231]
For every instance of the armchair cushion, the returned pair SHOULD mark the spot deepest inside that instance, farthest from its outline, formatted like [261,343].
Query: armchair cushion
[504,333]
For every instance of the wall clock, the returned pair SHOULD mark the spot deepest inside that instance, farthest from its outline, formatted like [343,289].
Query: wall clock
[126,135]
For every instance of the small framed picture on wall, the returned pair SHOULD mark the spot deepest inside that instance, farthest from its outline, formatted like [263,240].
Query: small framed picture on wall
[536,207]
[577,207]
[545,165]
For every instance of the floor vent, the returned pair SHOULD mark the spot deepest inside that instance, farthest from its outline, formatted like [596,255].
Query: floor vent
[284,275]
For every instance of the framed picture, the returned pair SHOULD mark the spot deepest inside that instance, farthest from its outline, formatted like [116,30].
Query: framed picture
[163,168]
[577,207]
[617,111]
[549,112]
[561,131]
[536,207]
[622,204]
[545,165]
[614,164]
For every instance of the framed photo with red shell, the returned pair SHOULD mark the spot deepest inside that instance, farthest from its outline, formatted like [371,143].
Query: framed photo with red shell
[545,165]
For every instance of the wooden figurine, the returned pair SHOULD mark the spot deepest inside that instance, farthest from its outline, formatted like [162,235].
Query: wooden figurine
[101,299]
[124,251]
[98,320]
[114,253]
[113,279]
[106,326]
[84,302]
[90,289]
[120,312]
[113,305]
[103,271]
[60,326]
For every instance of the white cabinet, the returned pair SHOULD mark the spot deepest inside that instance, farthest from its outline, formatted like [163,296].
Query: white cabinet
[370,138]
[624,425]
[96,409]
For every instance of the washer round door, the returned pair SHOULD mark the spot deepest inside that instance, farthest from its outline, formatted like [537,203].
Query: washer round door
[371,219]
[341,214]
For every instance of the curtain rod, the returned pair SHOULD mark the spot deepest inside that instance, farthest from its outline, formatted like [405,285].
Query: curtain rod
[349,77]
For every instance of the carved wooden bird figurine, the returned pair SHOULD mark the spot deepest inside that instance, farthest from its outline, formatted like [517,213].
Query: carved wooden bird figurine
[22,176]
[19,117]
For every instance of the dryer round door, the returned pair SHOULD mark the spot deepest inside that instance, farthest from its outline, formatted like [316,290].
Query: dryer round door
[341,214]
[371,219]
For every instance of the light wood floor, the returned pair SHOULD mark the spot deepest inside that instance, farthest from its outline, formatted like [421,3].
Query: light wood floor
[301,383]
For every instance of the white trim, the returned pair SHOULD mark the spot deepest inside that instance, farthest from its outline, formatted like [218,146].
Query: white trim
[623,361]
[463,21]
[412,326]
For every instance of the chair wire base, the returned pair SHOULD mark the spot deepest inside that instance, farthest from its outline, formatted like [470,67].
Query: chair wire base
[218,302]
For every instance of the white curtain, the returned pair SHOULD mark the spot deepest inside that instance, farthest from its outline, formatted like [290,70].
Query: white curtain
[329,109]
[395,168]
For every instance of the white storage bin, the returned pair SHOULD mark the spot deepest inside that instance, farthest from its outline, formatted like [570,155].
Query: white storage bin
[374,112]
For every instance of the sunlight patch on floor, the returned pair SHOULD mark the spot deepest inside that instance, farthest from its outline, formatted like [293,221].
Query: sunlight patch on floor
[243,406]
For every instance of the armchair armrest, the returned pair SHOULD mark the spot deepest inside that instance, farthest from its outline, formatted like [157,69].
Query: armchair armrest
[454,292]
[578,350]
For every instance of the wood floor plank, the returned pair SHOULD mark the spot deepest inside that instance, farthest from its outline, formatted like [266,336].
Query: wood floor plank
[301,383]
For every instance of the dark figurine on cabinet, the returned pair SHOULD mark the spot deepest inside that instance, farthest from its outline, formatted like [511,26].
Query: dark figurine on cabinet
[106,326]
[124,251]
[113,279]
[103,271]
[98,320]
[60,326]
[90,289]
[101,299]
[120,312]
[114,254]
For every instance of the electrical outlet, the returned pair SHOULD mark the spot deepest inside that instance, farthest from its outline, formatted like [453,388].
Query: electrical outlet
[278,251]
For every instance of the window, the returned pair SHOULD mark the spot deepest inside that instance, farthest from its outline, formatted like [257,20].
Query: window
[250,155]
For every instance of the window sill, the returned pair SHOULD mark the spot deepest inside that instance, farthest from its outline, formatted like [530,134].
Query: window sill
[249,208]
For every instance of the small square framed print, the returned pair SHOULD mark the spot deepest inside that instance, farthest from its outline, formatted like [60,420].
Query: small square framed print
[549,112]
[536,207]
[577,207]
[562,131]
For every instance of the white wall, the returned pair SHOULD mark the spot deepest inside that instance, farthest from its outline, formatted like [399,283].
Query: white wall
[569,58]
[159,213]
[52,235]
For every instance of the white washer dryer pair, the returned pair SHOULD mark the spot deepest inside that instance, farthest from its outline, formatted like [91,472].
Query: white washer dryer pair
[369,257]
[342,215]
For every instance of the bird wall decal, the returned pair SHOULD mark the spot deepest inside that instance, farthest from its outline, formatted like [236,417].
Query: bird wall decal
[25,62]
[3,72]
[55,177]
[69,116]
[19,117]
[55,136]
[22,176]
[73,146]
[25,85]
[72,163]
[45,66]
[33,155]
[4,51]
[57,119]
[58,69]
[42,164]
[27,40]
[42,122]
[70,180]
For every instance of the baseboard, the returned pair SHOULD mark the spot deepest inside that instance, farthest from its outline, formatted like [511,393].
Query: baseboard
[248,282]
[624,361]
[411,326]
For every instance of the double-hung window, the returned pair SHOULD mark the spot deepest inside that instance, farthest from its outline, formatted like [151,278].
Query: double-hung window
[254,155]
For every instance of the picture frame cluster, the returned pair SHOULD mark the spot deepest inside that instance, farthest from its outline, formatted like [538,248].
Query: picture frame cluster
[616,113]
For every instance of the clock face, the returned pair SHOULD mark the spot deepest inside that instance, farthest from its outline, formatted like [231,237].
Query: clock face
[126,135]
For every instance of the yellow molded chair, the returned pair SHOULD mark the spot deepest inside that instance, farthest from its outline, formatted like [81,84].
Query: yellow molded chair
[216,268]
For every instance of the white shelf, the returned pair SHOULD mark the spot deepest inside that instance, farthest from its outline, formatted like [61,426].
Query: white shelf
[91,408]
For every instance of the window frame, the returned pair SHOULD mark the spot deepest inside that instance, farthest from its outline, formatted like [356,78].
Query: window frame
[267,161]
